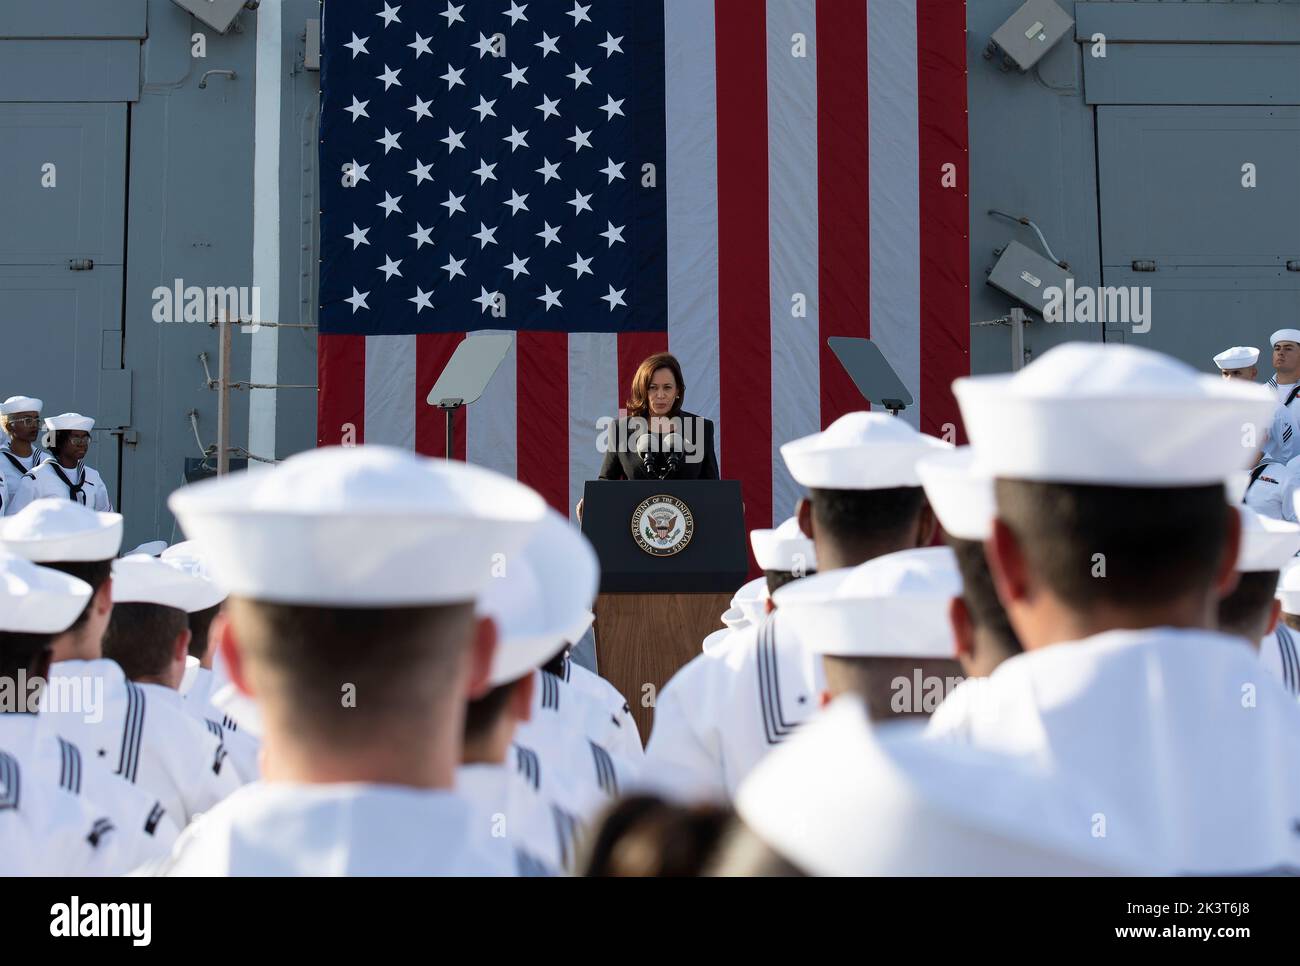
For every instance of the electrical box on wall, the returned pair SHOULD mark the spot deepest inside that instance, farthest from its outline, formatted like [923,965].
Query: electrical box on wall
[1030,33]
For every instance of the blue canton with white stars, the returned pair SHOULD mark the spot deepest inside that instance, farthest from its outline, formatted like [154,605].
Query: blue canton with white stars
[476,166]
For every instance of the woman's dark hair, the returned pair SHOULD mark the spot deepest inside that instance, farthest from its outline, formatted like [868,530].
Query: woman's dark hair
[61,437]
[648,837]
[638,404]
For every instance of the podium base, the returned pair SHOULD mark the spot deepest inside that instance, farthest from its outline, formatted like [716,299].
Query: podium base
[644,639]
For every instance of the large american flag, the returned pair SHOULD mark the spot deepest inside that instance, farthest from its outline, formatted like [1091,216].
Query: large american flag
[731,180]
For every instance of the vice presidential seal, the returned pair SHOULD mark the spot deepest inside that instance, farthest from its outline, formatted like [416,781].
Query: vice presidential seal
[662,525]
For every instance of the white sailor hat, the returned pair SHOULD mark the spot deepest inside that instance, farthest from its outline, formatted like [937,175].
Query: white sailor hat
[541,595]
[1118,415]
[64,531]
[1266,543]
[188,556]
[153,548]
[38,600]
[141,579]
[784,548]
[859,451]
[1288,589]
[961,498]
[20,404]
[360,526]
[734,618]
[1238,357]
[751,600]
[1285,335]
[891,606]
[841,798]
[69,421]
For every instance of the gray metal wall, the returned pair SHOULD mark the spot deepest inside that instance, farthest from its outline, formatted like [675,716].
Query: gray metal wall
[183,187]
[1187,93]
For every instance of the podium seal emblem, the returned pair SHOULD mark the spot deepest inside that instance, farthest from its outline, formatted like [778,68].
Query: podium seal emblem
[662,525]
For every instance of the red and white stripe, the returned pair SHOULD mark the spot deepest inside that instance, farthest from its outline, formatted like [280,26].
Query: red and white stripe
[813,180]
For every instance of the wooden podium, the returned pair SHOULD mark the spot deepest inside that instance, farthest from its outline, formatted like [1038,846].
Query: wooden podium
[644,639]
[672,553]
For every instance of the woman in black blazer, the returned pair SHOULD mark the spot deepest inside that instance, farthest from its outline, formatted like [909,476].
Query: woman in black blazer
[658,440]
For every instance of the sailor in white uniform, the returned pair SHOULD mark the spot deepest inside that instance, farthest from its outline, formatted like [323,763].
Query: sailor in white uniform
[722,712]
[1252,610]
[352,574]
[1280,648]
[1239,362]
[881,630]
[845,797]
[1283,438]
[610,723]
[81,820]
[148,636]
[1110,555]
[20,424]
[536,603]
[63,472]
[962,501]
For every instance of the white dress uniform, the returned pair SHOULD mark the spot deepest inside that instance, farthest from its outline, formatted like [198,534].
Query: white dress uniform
[578,779]
[1279,651]
[145,830]
[39,600]
[721,713]
[49,479]
[1185,744]
[12,469]
[512,818]
[846,798]
[1188,747]
[602,716]
[44,831]
[358,527]
[145,735]
[336,829]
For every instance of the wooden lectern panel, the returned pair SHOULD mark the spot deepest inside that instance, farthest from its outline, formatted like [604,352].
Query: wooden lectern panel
[645,638]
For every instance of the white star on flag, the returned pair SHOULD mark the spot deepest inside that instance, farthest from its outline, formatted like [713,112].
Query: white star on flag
[515,13]
[390,267]
[421,108]
[454,140]
[389,77]
[389,204]
[549,234]
[581,266]
[421,236]
[611,45]
[548,107]
[518,266]
[452,77]
[452,13]
[612,170]
[549,170]
[581,139]
[516,75]
[614,298]
[358,109]
[484,46]
[579,76]
[421,45]
[580,202]
[358,300]
[579,13]
[389,14]
[421,172]
[485,235]
[516,139]
[453,203]
[421,300]
[613,107]
[484,108]
[358,236]
[550,298]
[484,171]
[485,299]
[516,202]
[389,140]
[547,43]
[613,234]
[453,267]
[358,46]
